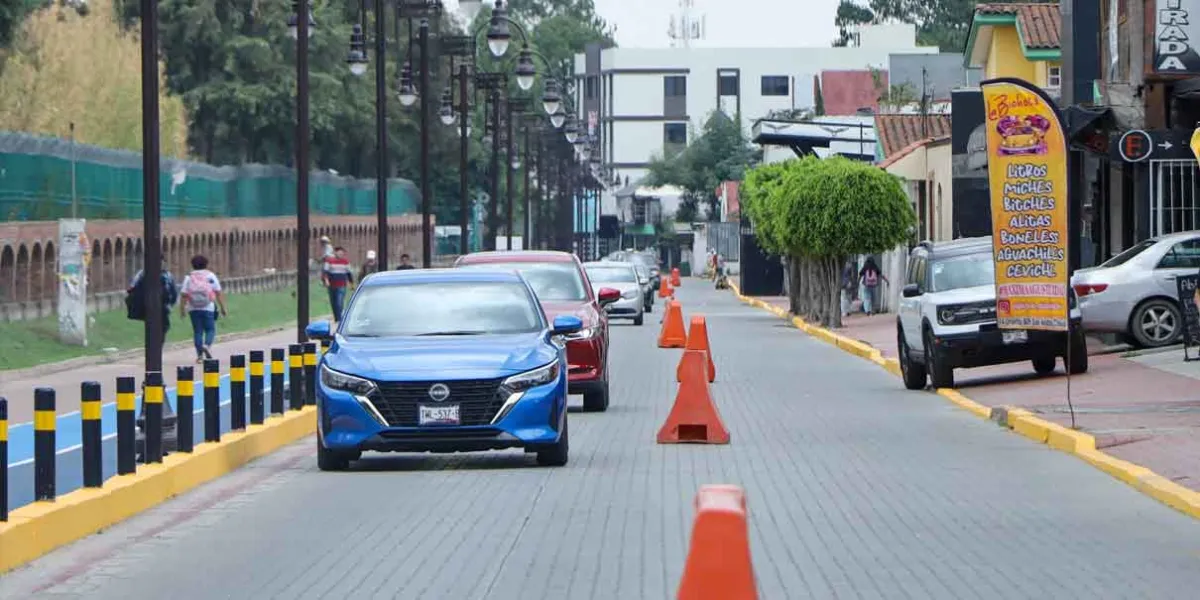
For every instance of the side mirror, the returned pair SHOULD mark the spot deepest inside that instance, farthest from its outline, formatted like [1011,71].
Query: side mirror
[318,331]
[608,296]
[566,325]
[911,290]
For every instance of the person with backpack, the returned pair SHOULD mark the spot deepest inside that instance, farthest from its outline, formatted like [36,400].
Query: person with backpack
[135,298]
[870,275]
[338,277]
[202,298]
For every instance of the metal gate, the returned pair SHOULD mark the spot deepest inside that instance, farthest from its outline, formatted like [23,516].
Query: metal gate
[1173,197]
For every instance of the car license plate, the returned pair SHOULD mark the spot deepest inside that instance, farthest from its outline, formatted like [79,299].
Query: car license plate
[1019,336]
[439,415]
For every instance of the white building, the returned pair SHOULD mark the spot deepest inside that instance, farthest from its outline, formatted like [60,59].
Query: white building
[643,102]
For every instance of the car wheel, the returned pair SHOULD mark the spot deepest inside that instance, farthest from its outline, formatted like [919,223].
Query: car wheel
[1044,365]
[332,460]
[1077,363]
[911,371]
[1155,322]
[596,400]
[941,375]
[638,320]
[556,455]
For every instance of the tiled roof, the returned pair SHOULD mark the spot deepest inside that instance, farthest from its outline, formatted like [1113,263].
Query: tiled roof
[1040,24]
[896,132]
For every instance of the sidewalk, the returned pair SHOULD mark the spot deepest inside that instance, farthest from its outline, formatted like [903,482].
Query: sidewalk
[1144,408]
[19,391]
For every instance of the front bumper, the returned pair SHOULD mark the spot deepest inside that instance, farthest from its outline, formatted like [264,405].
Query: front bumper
[987,346]
[387,421]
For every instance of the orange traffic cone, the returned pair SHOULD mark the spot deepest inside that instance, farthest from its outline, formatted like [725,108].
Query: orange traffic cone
[718,564]
[675,276]
[694,417]
[664,288]
[672,335]
[697,339]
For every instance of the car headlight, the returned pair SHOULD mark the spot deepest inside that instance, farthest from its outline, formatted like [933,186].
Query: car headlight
[582,334]
[629,294]
[342,382]
[529,379]
[965,314]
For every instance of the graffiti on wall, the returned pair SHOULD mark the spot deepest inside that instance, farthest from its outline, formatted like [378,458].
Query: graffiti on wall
[74,256]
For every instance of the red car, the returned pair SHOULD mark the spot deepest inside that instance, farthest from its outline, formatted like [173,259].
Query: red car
[562,287]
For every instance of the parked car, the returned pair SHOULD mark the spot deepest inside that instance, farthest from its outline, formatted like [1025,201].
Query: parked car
[1134,293]
[624,278]
[947,319]
[442,360]
[649,292]
[562,288]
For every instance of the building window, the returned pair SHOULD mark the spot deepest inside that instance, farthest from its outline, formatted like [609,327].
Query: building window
[591,85]
[675,134]
[775,85]
[675,85]
[727,83]
[1054,77]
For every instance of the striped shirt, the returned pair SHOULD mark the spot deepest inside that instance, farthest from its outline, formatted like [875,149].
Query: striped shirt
[337,272]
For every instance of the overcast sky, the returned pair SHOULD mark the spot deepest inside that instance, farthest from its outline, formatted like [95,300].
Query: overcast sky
[729,23]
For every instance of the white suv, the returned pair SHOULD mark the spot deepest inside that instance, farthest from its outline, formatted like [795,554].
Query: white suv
[947,319]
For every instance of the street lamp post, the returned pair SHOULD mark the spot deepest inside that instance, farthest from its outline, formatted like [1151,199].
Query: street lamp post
[301,25]
[511,163]
[463,144]
[151,214]
[426,188]
[357,60]
[525,212]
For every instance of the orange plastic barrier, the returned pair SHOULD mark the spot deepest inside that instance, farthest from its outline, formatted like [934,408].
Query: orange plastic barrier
[672,334]
[675,276]
[718,564]
[697,339]
[694,417]
[664,288]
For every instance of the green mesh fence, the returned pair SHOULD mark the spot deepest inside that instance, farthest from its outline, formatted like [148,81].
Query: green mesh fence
[36,183]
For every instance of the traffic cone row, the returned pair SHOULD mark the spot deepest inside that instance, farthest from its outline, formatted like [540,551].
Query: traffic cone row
[694,417]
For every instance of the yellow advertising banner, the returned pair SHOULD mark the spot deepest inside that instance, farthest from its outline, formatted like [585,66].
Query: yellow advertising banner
[1027,174]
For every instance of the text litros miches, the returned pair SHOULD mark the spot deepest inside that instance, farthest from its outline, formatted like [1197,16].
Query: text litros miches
[1029,240]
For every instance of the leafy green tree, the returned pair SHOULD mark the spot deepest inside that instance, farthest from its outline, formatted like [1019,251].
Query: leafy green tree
[817,213]
[720,152]
[941,23]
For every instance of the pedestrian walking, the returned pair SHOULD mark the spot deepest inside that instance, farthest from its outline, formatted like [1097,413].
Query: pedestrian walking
[202,302]
[870,276]
[370,265]
[337,277]
[849,286]
[135,298]
[405,263]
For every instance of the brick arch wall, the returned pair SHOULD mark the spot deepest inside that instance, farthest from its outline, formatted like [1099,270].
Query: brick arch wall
[236,248]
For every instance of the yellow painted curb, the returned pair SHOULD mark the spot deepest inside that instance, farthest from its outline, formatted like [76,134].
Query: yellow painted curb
[38,528]
[1021,421]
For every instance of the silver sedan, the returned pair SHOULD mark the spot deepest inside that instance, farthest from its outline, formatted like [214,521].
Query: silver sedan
[620,276]
[1134,292]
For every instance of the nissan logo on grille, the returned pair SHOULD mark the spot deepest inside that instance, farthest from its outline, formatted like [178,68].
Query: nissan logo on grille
[439,392]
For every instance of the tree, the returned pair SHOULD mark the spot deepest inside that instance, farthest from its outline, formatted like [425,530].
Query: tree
[941,23]
[850,15]
[719,153]
[817,213]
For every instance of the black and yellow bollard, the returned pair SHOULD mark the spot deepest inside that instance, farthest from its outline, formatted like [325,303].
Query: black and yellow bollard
[296,376]
[3,459]
[277,358]
[325,344]
[152,408]
[89,412]
[126,426]
[212,400]
[310,373]
[256,387]
[185,405]
[44,422]
[237,392]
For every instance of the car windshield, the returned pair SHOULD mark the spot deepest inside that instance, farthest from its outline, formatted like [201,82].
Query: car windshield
[966,271]
[1128,254]
[613,274]
[443,308]
[555,282]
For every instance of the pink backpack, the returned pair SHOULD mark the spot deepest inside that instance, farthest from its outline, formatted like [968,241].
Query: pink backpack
[200,291]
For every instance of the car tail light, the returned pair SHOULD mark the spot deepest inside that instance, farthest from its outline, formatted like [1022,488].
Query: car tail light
[1087,289]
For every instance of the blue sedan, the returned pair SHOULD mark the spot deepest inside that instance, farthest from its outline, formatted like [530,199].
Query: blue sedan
[447,360]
